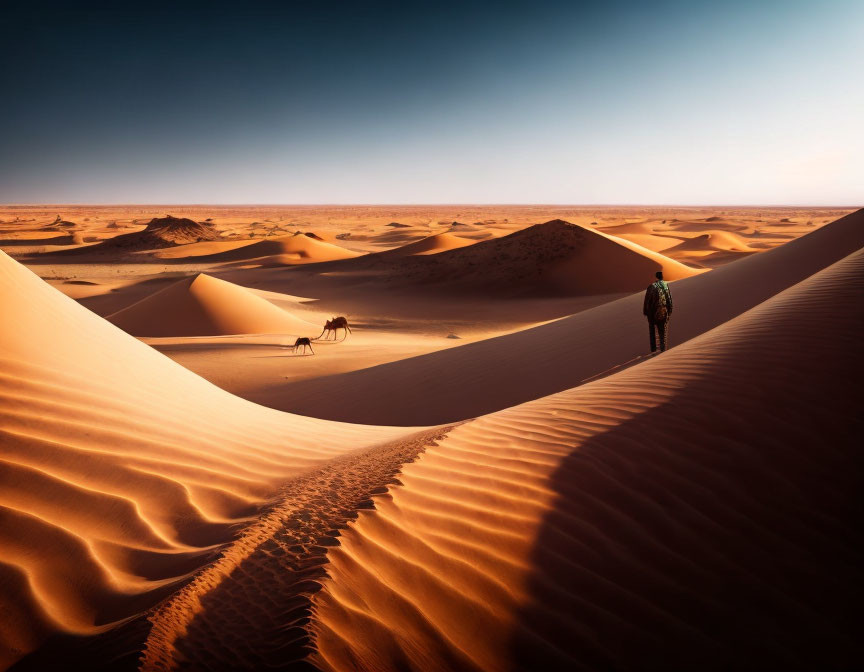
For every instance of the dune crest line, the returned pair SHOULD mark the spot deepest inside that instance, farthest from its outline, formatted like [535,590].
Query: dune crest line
[250,608]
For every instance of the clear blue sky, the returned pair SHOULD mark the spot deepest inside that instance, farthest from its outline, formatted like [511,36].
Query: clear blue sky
[698,102]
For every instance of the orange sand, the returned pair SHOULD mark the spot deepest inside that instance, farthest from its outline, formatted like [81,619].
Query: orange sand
[206,306]
[528,489]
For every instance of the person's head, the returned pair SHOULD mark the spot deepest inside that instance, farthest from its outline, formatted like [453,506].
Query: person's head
[659,275]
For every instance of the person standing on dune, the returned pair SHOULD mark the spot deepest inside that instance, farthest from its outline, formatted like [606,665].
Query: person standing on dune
[657,307]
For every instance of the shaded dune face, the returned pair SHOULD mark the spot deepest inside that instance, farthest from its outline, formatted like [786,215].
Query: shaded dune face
[120,471]
[206,306]
[504,371]
[697,511]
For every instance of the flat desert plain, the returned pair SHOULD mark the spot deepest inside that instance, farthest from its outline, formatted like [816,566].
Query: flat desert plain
[482,467]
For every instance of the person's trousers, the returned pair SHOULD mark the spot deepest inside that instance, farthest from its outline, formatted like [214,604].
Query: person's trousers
[662,329]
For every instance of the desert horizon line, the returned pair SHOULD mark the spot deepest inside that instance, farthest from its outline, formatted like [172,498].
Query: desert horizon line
[435,205]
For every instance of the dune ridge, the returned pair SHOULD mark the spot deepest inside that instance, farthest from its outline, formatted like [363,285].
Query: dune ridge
[206,306]
[714,241]
[294,248]
[646,518]
[439,242]
[508,370]
[277,563]
[120,471]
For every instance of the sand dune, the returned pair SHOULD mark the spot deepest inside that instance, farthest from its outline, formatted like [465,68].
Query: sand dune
[552,259]
[389,238]
[206,306]
[711,249]
[440,242]
[304,249]
[35,240]
[649,241]
[642,233]
[606,510]
[697,511]
[203,249]
[715,235]
[711,242]
[672,268]
[711,223]
[120,471]
[500,372]
[628,227]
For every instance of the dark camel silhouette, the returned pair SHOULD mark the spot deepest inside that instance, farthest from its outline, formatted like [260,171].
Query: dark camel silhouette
[303,342]
[333,326]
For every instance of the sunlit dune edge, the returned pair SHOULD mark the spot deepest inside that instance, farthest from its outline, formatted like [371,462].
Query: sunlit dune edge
[206,306]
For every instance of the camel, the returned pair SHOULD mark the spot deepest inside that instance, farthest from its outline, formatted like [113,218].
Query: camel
[334,325]
[303,342]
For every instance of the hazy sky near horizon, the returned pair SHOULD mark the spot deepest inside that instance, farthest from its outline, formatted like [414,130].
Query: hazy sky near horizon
[615,102]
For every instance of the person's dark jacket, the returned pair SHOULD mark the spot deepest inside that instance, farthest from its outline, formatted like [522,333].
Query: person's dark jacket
[652,299]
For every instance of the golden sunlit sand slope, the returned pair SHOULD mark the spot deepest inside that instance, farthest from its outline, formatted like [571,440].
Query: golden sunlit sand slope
[712,242]
[120,471]
[697,511]
[206,306]
[504,371]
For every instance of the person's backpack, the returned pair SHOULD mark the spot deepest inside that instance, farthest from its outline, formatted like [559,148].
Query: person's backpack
[661,312]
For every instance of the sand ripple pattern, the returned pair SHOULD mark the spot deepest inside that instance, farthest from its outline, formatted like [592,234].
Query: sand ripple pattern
[121,472]
[248,611]
[697,511]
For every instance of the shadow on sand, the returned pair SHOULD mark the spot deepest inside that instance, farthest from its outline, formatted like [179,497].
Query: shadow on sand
[674,548]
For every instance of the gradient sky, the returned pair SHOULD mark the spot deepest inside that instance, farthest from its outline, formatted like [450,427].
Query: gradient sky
[615,102]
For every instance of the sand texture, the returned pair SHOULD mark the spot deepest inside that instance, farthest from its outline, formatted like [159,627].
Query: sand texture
[121,471]
[488,472]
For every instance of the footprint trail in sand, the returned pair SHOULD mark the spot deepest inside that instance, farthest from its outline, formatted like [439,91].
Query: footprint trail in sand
[250,609]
